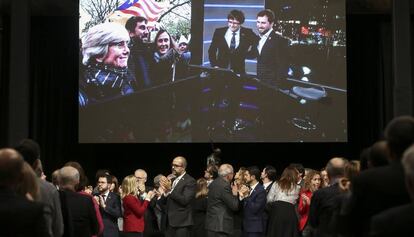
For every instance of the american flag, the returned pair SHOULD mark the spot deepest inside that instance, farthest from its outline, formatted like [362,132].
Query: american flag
[150,9]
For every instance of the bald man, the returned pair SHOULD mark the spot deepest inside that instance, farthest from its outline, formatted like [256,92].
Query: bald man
[222,202]
[324,201]
[179,198]
[82,212]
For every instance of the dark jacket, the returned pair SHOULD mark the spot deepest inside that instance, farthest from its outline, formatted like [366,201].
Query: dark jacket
[110,215]
[221,205]
[254,209]
[272,63]
[220,54]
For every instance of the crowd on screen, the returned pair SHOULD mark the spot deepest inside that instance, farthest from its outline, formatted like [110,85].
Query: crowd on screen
[366,197]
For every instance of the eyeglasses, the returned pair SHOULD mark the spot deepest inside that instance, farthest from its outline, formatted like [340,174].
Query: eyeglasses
[163,40]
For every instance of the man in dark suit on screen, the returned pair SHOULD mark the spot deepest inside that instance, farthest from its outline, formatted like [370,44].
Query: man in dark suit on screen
[271,51]
[222,202]
[179,197]
[230,45]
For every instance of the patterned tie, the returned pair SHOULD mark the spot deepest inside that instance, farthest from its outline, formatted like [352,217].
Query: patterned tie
[233,42]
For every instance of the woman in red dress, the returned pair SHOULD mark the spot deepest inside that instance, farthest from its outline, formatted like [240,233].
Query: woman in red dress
[134,208]
[312,183]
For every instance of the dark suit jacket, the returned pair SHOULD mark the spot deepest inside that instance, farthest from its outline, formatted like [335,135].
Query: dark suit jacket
[272,63]
[397,221]
[219,52]
[375,190]
[21,217]
[110,215]
[323,207]
[253,210]
[82,214]
[179,203]
[221,205]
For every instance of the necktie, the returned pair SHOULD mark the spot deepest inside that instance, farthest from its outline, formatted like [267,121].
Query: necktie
[174,184]
[233,42]
[104,197]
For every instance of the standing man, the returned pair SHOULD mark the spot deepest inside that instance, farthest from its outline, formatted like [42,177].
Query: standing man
[271,51]
[254,220]
[179,198]
[268,177]
[140,56]
[230,44]
[109,206]
[222,202]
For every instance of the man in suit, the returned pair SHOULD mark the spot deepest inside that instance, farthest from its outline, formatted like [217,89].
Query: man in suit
[254,219]
[179,197]
[109,206]
[140,56]
[398,221]
[30,150]
[230,44]
[381,188]
[271,51]
[324,201]
[19,216]
[222,202]
[268,177]
[80,207]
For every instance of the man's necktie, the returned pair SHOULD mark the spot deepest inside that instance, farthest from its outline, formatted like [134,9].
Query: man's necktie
[233,42]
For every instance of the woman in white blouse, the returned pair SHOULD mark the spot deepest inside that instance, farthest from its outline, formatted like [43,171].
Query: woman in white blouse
[281,200]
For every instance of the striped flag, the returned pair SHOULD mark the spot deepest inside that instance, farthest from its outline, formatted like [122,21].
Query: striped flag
[150,9]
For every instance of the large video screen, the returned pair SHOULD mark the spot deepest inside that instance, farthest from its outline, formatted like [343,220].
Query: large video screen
[182,71]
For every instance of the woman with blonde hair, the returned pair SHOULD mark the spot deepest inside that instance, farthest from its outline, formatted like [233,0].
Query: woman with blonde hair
[282,197]
[134,208]
[311,184]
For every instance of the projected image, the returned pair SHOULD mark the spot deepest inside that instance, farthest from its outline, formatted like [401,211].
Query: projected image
[202,71]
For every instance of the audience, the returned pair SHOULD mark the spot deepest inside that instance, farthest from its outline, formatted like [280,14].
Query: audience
[20,216]
[347,202]
[376,190]
[398,221]
[49,196]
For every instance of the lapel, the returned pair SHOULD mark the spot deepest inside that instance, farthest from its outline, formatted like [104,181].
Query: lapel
[181,181]
[109,198]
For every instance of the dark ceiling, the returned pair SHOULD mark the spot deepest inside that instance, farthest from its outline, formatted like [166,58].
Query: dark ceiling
[69,7]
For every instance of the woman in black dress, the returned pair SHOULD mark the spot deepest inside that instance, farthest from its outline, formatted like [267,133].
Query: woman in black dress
[281,200]
[200,208]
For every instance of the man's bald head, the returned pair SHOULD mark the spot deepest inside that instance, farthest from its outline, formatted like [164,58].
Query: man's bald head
[226,171]
[335,168]
[11,165]
[182,160]
[68,177]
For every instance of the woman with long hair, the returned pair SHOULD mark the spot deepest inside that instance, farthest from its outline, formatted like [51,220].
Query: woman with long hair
[312,183]
[282,197]
[134,208]
[200,208]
